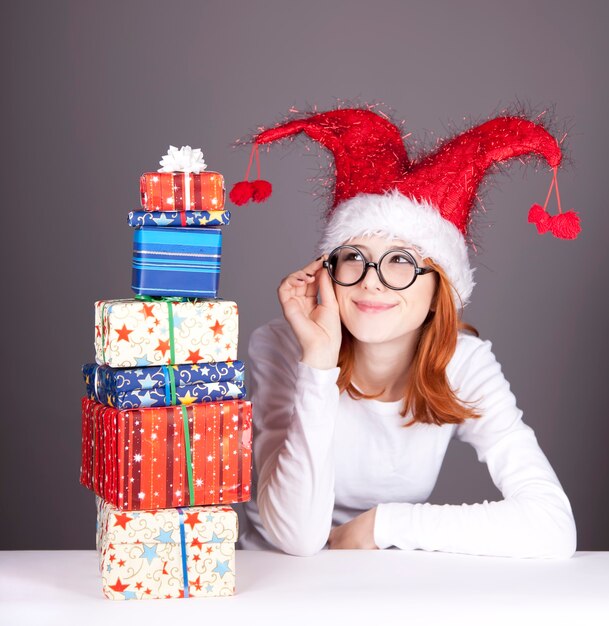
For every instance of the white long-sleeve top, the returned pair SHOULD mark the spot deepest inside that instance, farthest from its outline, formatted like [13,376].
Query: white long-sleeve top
[321,458]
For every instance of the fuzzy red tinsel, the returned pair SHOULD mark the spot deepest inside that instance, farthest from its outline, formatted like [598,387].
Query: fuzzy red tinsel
[564,225]
[261,190]
[241,193]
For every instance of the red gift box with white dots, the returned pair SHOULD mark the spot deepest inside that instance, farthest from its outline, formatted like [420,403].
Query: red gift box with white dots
[137,459]
[180,191]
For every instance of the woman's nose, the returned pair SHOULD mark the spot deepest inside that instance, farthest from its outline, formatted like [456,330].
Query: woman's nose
[371,279]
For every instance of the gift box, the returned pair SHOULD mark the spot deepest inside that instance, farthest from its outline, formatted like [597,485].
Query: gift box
[154,458]
[182,191]
[179,218]
[176,261]
[170,553]
[147,331]
[164,386]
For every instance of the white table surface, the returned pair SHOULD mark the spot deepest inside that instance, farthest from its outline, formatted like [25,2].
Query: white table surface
[350,587]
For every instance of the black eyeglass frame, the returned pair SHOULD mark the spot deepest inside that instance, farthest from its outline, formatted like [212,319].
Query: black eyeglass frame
[418,271]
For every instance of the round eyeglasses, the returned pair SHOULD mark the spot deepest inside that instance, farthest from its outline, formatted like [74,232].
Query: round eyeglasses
[397,269]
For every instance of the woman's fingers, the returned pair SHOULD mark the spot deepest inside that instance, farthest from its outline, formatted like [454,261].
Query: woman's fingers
[293,287]
[326,291]
[301,282]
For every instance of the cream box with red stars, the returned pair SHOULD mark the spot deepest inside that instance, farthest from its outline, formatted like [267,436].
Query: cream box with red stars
[148,331]
[168,553]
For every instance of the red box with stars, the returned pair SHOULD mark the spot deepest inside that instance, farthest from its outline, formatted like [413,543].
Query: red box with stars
[179,191]
[137,458]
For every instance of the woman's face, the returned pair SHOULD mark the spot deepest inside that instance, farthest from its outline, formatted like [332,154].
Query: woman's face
[372,312]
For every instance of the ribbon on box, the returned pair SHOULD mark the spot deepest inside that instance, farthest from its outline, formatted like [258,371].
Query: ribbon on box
[191,489]
[170,381]
[170,386]
[183,552]
[187,161]
[186,198]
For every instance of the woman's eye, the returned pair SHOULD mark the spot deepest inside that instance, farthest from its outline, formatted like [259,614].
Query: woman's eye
[400,258]
[353,256]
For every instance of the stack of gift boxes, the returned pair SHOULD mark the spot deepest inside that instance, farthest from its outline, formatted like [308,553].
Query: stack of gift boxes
[166,431]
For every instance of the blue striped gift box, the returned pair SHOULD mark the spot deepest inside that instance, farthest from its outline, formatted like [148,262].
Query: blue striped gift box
[176,261]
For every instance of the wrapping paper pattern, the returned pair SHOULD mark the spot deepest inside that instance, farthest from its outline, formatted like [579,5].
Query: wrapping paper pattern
[140,554]
[176,261]
[151,386]
[137,459]
[136,333]
[180,191]
[179,218]
[160,396]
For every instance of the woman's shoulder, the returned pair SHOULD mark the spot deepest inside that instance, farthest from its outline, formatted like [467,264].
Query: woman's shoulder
[469,341]
[469,348]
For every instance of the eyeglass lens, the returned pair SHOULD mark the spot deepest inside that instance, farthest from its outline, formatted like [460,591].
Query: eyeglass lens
[347,266]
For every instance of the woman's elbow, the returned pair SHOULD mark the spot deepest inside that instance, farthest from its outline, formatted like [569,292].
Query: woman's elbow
[303,548]
[557,537]
[298,534]
[565,543]
[296,543]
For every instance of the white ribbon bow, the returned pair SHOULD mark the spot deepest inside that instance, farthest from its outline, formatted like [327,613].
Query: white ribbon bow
[183,160]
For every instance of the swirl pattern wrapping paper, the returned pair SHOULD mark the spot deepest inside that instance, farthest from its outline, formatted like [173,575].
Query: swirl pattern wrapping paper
[151,386]
[194,219]
[141,553]
[136,333]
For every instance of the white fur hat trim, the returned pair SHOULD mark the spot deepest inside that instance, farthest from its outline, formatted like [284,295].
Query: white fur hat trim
[419,224]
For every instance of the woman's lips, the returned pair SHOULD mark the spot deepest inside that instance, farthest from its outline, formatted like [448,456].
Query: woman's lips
[372,307]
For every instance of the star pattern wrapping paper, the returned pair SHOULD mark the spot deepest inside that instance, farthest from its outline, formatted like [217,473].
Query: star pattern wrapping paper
[141,553]
[179,218]
[137,459]
[151,386]
[136,333]
[179,191]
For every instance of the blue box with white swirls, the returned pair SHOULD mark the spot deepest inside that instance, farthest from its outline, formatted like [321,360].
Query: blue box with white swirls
[143,387]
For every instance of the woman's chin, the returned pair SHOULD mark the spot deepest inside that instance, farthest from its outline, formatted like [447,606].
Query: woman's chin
[369,332]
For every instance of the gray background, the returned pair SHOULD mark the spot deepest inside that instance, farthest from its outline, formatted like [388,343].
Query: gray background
[93,94]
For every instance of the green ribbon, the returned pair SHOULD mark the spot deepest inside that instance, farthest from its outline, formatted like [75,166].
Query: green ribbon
[168,300]
[102,324]
[172,345]
[191,489]
[172,385]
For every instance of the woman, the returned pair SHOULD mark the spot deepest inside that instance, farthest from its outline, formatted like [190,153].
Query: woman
[356,398]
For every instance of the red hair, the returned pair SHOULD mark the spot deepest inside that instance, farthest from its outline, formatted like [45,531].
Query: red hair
[427,391]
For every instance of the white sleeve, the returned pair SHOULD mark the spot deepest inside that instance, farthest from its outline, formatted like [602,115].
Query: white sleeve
[294,409]
[534,520]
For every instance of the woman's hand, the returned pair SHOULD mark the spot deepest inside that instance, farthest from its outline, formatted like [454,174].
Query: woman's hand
[316,325]
[358,534]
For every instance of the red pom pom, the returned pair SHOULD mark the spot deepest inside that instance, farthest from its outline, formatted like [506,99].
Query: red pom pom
[565,225]
[261,190]
[241,193]
[539,217]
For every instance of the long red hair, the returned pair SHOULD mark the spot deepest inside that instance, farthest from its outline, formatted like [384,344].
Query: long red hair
[427,391]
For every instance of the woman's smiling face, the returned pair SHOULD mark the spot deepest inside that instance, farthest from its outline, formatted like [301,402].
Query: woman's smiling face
[372,312]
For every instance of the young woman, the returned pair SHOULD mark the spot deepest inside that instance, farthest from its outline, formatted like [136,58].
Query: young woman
[360,387]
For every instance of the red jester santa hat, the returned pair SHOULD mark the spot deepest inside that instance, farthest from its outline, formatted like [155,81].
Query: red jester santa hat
[425,202]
